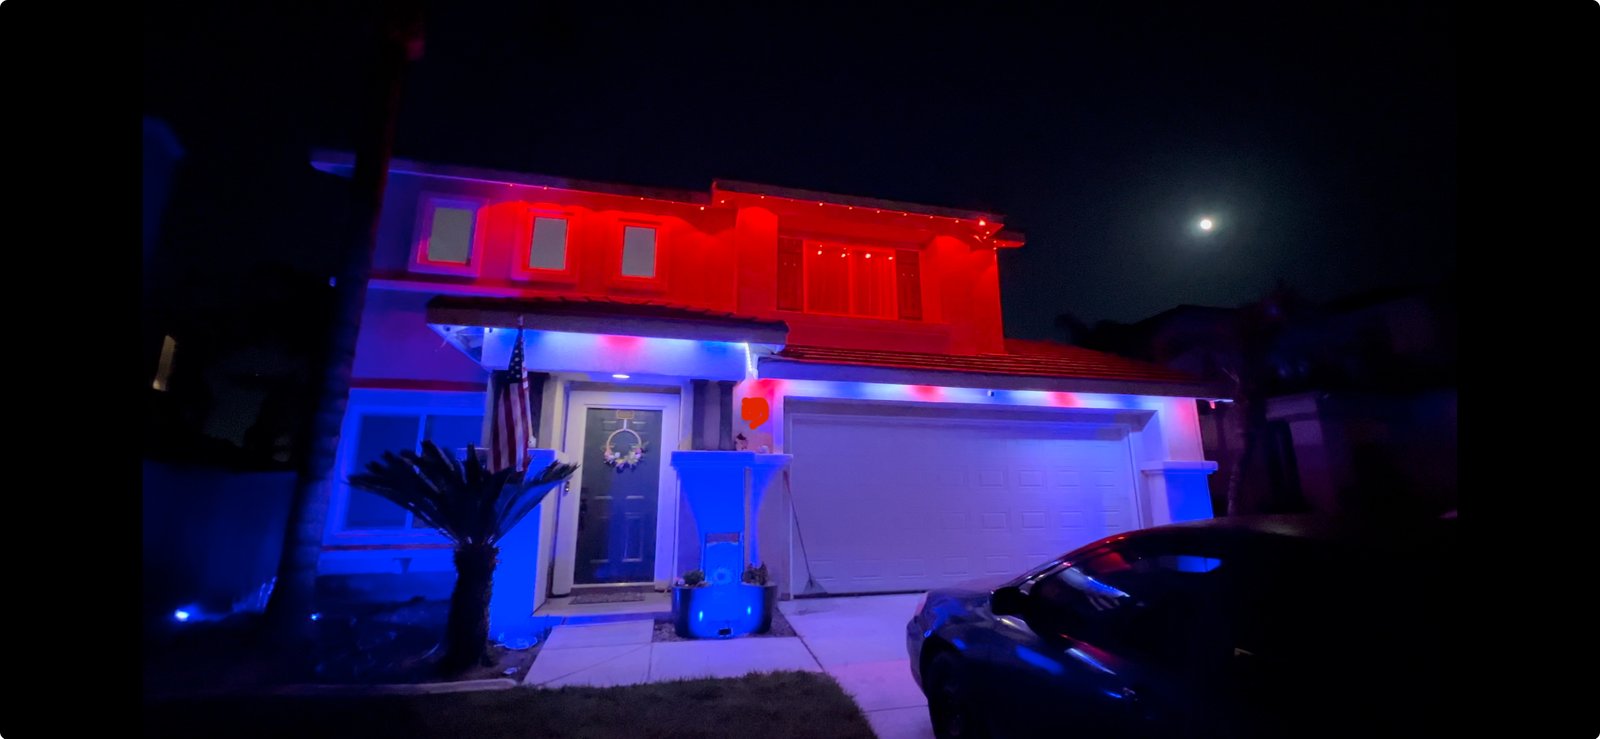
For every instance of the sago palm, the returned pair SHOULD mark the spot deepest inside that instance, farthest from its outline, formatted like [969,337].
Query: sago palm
[473,507]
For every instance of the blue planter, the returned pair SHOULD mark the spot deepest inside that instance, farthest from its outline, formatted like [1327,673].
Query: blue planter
[723,611]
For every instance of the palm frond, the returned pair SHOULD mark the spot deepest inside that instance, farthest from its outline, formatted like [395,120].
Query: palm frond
[467,503]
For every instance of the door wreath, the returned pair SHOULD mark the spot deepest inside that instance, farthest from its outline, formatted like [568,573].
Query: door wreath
[624,460]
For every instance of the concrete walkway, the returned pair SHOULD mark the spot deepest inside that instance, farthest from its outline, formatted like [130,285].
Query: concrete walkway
[621,653]
[859,641]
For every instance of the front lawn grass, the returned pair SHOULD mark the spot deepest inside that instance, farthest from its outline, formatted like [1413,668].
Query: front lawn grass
[768,705]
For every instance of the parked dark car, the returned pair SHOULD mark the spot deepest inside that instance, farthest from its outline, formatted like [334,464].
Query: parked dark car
[1231,627]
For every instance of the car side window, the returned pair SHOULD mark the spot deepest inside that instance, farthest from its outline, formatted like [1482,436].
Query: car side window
[1156,604]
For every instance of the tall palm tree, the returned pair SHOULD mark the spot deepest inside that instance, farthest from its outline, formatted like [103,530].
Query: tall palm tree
[293,595]
[473,507]
[1261,329]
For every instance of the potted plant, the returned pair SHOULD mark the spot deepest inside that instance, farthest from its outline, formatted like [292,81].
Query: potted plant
[756,577]
[685,601]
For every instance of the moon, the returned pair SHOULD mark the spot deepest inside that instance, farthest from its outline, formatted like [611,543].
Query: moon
[1206,224]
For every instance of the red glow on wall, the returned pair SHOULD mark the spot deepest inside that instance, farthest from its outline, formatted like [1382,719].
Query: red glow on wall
[1064,400]
[765,387]
[620,343]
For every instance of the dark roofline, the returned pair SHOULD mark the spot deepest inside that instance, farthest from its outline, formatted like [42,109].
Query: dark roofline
[793,193]
[342,162]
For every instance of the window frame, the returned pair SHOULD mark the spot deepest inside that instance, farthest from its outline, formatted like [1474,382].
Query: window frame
[427,203]
[809,243]
[655,283]
[520,269]
[375,402]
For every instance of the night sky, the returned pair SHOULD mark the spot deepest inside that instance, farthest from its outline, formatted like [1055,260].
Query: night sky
[1321,138]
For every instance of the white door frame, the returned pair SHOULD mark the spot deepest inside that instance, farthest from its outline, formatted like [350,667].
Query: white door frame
[578,404]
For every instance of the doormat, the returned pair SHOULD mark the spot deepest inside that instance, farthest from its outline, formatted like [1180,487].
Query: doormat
[624,596]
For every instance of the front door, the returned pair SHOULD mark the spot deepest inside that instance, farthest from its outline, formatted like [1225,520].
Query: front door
[617,501]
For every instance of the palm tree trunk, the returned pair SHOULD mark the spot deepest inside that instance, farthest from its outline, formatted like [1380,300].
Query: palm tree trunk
[467,631]
[293,595]
[1236,475]
[1253,414]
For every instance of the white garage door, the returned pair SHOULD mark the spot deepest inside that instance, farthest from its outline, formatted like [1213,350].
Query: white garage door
[909,503]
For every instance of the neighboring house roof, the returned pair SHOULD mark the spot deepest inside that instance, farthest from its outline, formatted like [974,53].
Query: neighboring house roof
[611,316]
[1188,309]
[1035,365]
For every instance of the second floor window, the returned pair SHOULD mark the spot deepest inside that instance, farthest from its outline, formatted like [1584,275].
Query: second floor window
[449,239]
[446,238]
[548,248]
[838,279]
[638,252]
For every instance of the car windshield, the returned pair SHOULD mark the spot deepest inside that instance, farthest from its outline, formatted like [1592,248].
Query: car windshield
[1172,600]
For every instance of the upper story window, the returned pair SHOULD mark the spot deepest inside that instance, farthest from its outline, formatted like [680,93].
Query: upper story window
[446,236]
[847,280]
[543,251]
[548,247]
[639,252]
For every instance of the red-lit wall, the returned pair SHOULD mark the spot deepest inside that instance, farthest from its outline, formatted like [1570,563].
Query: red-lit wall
[720,255]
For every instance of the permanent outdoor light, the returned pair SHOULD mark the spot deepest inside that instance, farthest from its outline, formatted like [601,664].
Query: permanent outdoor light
[180,615]
[618,376]
[1206,224]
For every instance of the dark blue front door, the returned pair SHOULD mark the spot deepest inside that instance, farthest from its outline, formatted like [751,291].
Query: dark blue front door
[617,505]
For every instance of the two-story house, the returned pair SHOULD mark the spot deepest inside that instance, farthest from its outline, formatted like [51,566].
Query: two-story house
[927,447]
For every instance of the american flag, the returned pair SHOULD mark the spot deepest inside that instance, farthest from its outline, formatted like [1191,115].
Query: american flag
[508,423]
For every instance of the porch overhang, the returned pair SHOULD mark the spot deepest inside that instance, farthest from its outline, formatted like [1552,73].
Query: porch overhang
[608,317]
[606,339]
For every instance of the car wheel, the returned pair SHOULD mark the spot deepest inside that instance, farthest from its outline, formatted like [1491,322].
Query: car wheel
[951,707]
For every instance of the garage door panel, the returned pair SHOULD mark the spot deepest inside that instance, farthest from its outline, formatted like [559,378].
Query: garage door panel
[900,504]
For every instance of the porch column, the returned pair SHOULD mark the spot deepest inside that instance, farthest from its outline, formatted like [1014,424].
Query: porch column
[1178,490]
[516,579]
[725,421]
[536,406]
[697,406]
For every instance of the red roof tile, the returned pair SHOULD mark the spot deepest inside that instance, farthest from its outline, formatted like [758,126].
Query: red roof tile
[1023,358]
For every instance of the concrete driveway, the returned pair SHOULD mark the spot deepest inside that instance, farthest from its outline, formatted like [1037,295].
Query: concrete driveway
[861,642]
